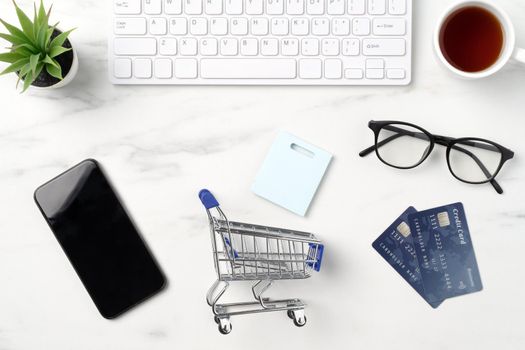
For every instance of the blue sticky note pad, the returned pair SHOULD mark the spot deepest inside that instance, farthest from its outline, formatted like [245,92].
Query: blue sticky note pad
[396,246]
[291,173]
[445,253]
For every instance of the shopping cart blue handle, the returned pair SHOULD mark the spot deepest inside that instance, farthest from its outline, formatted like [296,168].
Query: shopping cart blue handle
[207,199]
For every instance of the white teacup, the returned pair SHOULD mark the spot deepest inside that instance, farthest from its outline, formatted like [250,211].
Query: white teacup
[508,50]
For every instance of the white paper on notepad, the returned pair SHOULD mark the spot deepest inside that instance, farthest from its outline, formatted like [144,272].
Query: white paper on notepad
[291,173]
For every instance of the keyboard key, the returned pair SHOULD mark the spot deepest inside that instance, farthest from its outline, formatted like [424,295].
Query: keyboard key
[198,26]
[340,26]
[336,7]
[375,73]
[186,68]
[168,46]
[289,47]
[234,7]
[315,7]
[142,68]
[219,26]
[122,68]
[127,7]
[333,68]
[361,26]
[295,7]
[179,26]
[259,26]
[193,7]
[310,47]
[269,47]
[350,47]
[274,7]
[375,63]
[356,7]
[254,68]
[254,7]
[158,26]
[135,46]
[213,7]
[354,73]
[395,74]
[173,7]
[280,26]
[249,47]
[130,26]
[229,47]
[239,26]
[188,46]
[397,7]
[152,7]
[377,7]
[310,68]
[389,26]
[330,47]
[208,47]
[163,68]
[320,26]
[384,47]
[300,26]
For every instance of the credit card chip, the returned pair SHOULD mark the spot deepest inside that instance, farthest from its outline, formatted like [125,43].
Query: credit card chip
[404,229]
[443,219]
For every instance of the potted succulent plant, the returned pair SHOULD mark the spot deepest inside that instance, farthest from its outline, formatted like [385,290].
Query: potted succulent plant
[40,54]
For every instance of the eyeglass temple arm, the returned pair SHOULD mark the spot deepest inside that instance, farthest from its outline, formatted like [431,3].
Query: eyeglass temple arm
[420,135]
[401,132]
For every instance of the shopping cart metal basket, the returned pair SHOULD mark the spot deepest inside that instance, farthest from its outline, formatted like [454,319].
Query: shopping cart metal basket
[263,254]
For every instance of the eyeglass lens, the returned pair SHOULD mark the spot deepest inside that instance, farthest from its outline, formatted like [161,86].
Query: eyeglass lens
[402,145]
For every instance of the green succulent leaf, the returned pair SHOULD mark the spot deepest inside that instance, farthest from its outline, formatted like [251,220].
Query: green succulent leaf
[35,18]
[15,32]
[10,38]
[24,70]
[28,80]
[41,37]
[50,32]
[57,51]
[10,57]
[51,61]
[54,71]
[60,39]
[26,46]
[33,62]
[16,66]
[25,22]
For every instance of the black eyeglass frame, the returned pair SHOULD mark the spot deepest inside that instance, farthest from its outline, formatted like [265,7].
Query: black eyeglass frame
[449,142]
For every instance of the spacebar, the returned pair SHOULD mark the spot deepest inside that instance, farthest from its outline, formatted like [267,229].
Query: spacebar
[254,68]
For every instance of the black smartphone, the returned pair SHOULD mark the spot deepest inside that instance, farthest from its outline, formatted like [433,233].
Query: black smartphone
[99,238]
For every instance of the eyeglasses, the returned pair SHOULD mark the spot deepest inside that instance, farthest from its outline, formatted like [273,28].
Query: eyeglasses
[404,146]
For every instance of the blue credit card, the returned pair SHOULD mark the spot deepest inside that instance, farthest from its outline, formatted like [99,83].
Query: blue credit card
[396,246]
[445,253]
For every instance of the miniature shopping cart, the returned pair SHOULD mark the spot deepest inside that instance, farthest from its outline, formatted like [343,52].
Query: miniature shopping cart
[246,252]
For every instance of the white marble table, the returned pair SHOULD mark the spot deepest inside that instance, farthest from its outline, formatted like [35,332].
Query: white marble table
[160,145]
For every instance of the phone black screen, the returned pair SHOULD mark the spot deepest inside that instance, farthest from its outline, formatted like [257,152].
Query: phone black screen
[99,238]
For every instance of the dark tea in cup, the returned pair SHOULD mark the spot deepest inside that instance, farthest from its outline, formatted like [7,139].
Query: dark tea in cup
[471,39]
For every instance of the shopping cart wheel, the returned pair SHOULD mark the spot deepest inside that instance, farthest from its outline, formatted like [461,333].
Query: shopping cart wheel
[225,326]
[299,322]
[298,317]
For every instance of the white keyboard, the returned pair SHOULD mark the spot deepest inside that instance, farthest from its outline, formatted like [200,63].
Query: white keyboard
[267,42]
